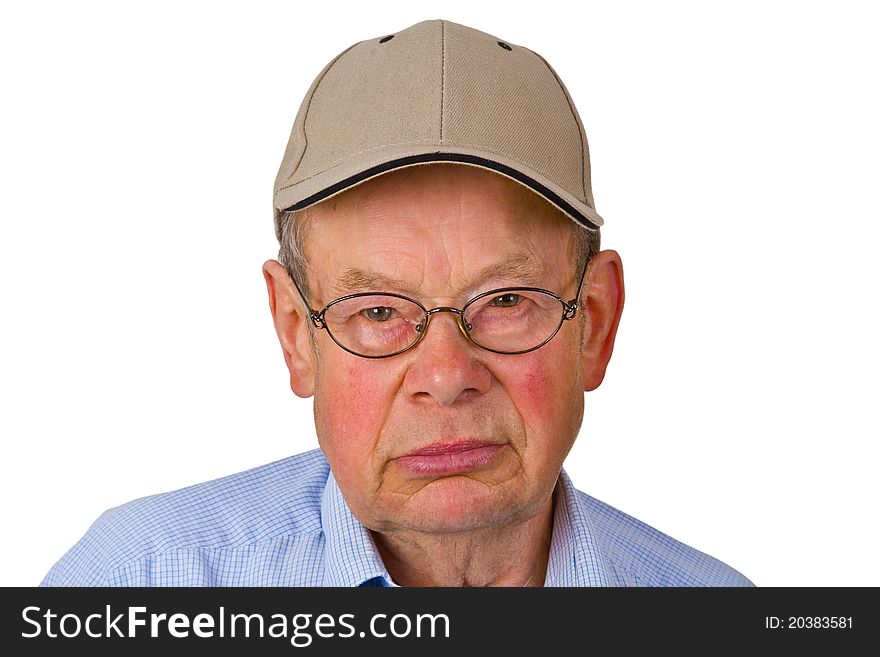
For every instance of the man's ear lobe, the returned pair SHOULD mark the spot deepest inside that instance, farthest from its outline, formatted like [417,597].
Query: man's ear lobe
[603,303]
[292,326]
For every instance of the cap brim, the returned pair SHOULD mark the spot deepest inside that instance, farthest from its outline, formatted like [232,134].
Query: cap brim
[354,172]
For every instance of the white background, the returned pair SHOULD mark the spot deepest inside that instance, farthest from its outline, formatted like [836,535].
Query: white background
[735,160]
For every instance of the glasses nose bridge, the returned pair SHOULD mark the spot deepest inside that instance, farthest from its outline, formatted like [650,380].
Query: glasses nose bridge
[459,319]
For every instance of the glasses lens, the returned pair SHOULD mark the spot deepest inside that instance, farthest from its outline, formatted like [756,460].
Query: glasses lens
[513,320]
[374,324]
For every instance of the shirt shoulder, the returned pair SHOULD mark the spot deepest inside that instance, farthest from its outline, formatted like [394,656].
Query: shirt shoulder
[639,555]
[207,534]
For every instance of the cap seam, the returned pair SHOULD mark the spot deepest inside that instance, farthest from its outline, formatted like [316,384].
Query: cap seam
[573,115]
[318,82]
[442,72]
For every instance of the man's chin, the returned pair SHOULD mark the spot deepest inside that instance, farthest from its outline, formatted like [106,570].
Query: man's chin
[459,504]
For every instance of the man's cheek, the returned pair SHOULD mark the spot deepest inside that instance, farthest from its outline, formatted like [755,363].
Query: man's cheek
[532,383]
[535,387]
[540,395]
[352,410]
[347,447]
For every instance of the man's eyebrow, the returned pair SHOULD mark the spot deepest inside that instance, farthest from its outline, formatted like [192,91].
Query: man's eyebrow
[520,268]
[357,279]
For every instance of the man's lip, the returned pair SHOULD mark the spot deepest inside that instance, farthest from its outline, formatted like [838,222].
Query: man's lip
[446,458]
[440,448]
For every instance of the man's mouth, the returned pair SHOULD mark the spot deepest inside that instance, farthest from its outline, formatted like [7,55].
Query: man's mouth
[451,457]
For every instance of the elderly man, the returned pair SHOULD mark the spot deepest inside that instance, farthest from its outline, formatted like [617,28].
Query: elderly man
[441,295]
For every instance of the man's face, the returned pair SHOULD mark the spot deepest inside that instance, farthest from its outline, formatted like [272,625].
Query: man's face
[447,436]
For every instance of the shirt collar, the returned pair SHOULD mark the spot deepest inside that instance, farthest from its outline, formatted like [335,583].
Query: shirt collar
[350,554]
[351,557]
[575,558]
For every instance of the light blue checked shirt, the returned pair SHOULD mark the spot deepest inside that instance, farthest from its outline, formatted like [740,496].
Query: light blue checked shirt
[286,524]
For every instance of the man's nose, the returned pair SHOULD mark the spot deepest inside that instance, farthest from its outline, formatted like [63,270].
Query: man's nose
[444,366]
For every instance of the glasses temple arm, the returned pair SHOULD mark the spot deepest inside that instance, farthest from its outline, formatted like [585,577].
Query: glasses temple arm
[572,306]
[314,315]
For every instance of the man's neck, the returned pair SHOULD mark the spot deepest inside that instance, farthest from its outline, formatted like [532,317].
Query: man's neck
[515,555]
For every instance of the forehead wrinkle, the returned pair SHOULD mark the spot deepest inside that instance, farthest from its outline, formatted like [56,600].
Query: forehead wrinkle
[520,268]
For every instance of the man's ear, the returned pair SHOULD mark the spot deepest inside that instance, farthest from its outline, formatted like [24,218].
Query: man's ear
[292,326]
[603,303]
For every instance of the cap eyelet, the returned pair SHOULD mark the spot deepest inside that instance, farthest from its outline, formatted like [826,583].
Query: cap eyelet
[386,38]
[504,45]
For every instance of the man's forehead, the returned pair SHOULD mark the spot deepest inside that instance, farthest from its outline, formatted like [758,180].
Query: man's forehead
[448,226]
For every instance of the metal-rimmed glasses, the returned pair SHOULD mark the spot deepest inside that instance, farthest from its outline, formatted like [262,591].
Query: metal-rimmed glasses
[507,320]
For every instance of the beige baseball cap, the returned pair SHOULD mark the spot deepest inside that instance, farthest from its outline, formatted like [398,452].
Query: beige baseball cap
[437,92]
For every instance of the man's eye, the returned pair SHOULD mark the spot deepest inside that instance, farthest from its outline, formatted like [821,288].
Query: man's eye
[380,313]
[506,300]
